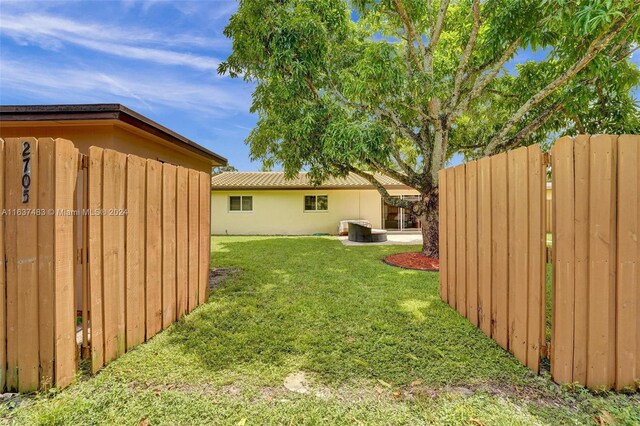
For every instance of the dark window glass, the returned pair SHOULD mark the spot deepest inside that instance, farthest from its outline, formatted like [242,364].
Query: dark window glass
[247,204]
[309,202]
[234,204]
[322,202]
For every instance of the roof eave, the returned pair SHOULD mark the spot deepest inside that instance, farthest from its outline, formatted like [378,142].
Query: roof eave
[105,112]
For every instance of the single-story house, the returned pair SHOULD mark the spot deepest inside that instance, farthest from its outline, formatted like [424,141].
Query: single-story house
[111,126]
[265,203]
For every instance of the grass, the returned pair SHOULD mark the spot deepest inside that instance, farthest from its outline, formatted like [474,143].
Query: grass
[375,342]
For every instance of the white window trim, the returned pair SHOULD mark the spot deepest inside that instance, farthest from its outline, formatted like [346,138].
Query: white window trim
[316,210]
[239,211]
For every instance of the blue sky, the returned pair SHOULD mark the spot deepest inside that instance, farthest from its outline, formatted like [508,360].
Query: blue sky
[158,57]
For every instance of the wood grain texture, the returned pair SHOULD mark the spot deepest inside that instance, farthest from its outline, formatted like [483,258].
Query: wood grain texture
[46,234]
[581,303]
[204,236]
[518,170]
[472,241]
[601,262]
[135,250]
[500,247]
[451,237]
[194,260]
[154,249]
[442,235]
[628,251]
[3,278]
[564,260]
[113,252]
[168,245]
[66,173]
[485,279]
[536,296]
[182,241]
[461,240]
[96,310]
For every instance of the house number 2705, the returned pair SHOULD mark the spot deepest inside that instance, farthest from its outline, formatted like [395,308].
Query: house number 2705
[26,171]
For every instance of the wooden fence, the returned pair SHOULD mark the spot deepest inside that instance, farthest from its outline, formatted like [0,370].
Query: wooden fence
[149,249]
[37,315]
[492,242]
[492,245]
[596,297]
[132,234]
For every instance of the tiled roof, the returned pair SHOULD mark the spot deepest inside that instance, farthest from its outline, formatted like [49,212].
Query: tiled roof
[276,180]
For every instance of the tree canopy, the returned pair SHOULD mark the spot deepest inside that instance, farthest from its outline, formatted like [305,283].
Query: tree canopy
[399,86]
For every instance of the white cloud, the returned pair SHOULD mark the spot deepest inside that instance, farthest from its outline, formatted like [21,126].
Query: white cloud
[69,85]
[53,33]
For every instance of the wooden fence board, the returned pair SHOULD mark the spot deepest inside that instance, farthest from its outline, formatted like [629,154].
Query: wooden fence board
[536,306]
[601,264]
[499,255]
[113,197]
[154,248]
[563,257]
[168,245]
[581,209]
[66,173]
[204,236]
[96,311]
[182,241]
[484,245]
[472,241]
[451,236]
[135,250]
[27,270]
[442,243]
[628,276]
[194,261]
[12,191]
[461,240]
[518,172]
[3,281]
[46,232]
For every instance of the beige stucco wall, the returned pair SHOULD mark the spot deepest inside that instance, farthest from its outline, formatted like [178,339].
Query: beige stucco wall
[112,135]
[281,212]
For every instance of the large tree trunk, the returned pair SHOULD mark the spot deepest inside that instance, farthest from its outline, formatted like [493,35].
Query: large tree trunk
[430,234]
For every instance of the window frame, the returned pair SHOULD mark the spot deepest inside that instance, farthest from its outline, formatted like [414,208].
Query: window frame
[229,210]
[315,204]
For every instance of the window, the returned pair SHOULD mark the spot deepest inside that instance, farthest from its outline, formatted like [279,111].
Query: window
[241,203]
[316,203]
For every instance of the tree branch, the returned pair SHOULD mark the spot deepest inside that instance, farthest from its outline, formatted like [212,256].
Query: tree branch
[482,82]
[475,10]
[596,46]
[435,36]
[412,35]
[534,125]
[393,201]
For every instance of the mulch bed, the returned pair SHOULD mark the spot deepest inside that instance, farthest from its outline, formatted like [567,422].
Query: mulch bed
[413,261]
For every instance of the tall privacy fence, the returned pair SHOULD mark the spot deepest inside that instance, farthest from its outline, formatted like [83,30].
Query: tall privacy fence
[122,239]
[492,243]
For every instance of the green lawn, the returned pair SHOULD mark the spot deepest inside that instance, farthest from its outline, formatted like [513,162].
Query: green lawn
[375,343]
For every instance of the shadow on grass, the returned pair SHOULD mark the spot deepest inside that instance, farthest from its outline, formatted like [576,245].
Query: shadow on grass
[313,304]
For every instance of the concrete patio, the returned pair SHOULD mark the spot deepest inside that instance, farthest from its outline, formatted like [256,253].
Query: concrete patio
[393,238]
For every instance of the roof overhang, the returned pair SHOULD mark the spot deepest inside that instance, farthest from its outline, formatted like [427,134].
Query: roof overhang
[106,112]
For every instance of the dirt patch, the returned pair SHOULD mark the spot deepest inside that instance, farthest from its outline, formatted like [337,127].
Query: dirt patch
[217,276]
[412,260]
